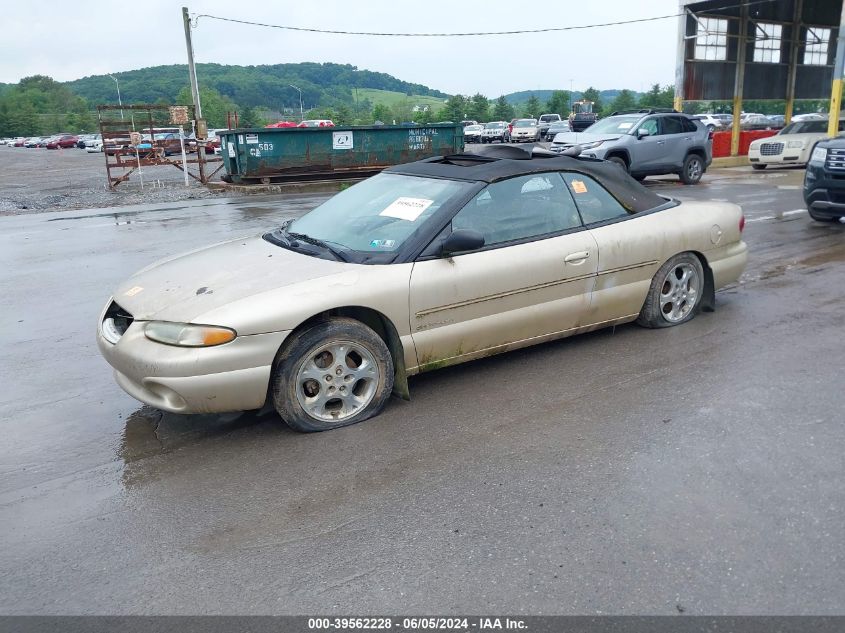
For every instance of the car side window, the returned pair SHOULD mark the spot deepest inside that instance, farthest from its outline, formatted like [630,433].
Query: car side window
[688,125]
[650,125]
[672,125]
[520,208]
[594,201]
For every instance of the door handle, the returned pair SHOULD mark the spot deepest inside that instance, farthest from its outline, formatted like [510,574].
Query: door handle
[576,257]
[661,142]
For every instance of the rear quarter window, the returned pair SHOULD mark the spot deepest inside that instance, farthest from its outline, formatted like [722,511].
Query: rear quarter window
[594,202]
[689,125]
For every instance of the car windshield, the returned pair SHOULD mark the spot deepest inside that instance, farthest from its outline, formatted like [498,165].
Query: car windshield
[379,214]
[472,128]
[549,117]
[525,123]
[614,124]
[491,126]
[804,127]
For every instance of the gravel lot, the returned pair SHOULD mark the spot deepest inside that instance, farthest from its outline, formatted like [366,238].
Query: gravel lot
[36,180]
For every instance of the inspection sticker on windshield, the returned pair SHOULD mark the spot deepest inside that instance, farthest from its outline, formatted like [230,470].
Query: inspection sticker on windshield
[578,186]
[382,243]
[407,208]
[625,125]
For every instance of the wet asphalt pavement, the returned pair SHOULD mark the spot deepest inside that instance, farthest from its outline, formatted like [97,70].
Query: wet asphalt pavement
[697,469]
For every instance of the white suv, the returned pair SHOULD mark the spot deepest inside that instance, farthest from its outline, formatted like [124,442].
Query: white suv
[709,121]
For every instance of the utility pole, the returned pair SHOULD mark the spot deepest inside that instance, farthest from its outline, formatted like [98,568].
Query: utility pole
[192,72]
[119,101]
[300,101]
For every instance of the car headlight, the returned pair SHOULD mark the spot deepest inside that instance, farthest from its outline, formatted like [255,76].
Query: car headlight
[592,145]
[818,156]
[795,144]
[188,334]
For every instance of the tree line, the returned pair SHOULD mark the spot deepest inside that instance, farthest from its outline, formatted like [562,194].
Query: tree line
[39,105]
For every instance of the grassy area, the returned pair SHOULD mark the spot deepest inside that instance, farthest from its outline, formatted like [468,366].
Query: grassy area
[391,98]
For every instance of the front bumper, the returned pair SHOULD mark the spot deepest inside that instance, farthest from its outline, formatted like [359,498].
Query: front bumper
[230,377]
[824,193]
[789,156]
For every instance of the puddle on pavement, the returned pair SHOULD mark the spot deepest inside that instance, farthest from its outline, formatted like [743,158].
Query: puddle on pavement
[149,431]
[834,255]
[808,265]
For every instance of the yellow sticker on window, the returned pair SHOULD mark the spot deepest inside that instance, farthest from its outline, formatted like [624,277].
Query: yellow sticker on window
[578,186]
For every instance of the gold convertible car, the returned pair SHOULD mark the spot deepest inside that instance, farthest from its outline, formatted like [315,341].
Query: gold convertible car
[427,264]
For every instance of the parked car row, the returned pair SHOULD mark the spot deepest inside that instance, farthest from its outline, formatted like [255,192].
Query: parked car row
[56,141]
[503,131]
[167,139]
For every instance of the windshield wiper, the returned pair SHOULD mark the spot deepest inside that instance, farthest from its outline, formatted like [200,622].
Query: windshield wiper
[339,255]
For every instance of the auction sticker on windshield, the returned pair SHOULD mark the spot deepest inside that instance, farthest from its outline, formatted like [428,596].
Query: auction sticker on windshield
[578,186]
[407,208]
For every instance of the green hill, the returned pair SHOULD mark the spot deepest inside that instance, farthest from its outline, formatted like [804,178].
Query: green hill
[391,98]
[322,85]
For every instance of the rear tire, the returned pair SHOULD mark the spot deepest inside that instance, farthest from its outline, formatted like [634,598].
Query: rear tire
[675,293]
[332,374]
[693,169]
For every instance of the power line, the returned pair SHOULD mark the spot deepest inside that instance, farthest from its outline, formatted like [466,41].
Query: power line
[473,34]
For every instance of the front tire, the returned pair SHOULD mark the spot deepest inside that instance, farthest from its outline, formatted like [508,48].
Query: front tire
[332,374]
[758,166]
[675,293]
[692,170]
[619,161]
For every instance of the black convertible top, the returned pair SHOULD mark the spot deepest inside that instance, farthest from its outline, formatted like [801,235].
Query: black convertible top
[502,162]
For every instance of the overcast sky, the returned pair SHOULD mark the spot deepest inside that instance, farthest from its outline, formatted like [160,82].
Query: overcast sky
[68,40]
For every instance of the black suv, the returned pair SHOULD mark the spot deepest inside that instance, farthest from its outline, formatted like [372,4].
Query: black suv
[824,180]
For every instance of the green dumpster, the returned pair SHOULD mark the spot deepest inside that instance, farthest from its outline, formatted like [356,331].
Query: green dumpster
[278,154]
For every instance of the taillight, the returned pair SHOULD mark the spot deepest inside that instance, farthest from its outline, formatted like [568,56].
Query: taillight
[741,223]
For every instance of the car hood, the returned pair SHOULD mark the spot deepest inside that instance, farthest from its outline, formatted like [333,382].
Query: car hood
[573,138]
[184,287]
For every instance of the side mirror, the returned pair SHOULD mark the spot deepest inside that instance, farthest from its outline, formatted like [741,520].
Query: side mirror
[461,240]
[642,133]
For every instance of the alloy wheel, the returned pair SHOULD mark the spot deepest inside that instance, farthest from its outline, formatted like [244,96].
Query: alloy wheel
[336,380]
[680,292]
